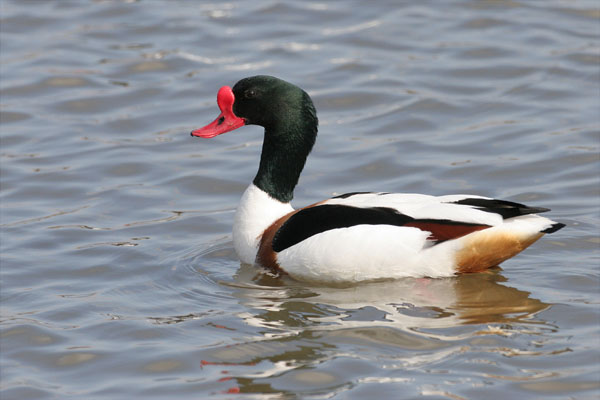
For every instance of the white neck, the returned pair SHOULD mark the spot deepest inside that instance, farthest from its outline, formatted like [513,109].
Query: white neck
[255,213]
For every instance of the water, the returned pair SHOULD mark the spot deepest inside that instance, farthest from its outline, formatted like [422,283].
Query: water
[119,278]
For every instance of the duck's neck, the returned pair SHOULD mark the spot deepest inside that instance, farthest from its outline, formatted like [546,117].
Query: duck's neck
[284,152]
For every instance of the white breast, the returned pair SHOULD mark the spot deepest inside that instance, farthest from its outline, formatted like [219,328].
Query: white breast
[255,213]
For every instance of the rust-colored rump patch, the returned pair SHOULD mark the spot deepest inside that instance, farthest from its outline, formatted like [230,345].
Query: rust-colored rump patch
[441,231]
[488,250]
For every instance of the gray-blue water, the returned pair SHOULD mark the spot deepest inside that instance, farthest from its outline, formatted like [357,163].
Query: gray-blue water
[118,276]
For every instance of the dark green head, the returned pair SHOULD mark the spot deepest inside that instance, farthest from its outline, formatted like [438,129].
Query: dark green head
[290,120]
[270,102]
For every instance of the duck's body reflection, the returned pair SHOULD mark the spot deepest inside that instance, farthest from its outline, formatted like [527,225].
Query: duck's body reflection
[401,325]
[407,303]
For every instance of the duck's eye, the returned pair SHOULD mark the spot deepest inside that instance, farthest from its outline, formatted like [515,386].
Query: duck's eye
[250,93]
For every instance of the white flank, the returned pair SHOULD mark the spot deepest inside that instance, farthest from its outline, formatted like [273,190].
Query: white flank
[255,213]
[361,253]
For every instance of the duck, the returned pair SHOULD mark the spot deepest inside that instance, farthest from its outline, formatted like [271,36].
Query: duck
[358,236]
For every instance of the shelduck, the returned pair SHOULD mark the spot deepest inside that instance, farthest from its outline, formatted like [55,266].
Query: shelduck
[357,236]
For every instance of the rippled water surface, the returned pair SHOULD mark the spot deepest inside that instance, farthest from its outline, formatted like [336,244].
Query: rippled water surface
[119,278]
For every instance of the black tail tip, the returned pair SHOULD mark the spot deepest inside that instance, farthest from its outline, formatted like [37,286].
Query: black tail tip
[553,228]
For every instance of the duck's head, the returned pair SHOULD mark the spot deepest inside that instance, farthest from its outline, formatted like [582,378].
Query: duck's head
[288,115]
[260,100]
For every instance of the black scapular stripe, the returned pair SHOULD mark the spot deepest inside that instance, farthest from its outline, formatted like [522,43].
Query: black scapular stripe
[310,221]
[313,220]
[507,209]
[346,195]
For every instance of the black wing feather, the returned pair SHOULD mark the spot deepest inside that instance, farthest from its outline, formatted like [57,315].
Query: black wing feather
[507,209]
[346,195]
[312,220]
